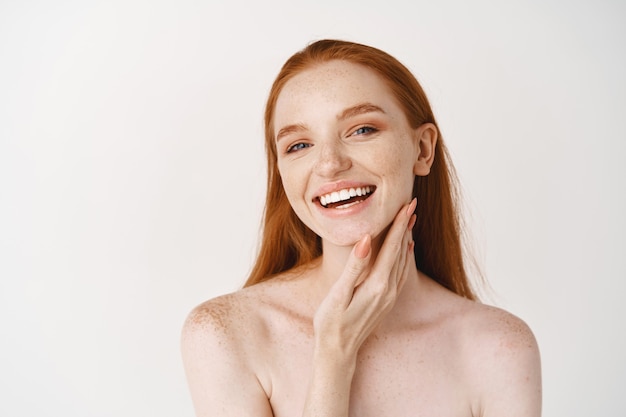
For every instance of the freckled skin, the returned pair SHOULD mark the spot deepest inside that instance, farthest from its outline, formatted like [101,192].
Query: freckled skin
[315,98]
[434,353]
[216,314]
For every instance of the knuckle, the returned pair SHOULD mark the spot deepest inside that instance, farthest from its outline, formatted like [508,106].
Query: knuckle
[381,288]
[392,292]
[395,247]
[354,268]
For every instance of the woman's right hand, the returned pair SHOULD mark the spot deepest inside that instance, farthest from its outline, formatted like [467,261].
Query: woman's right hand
[366,291]
[363,294]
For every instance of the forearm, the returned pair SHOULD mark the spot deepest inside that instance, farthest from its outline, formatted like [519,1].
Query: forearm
[329,387]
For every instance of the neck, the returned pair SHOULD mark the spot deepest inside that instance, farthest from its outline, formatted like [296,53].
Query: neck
[334,259]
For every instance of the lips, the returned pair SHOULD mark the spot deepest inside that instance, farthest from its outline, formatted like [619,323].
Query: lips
[346,197]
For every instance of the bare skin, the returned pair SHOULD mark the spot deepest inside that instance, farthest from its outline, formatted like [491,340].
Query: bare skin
[360,331]
[255,353]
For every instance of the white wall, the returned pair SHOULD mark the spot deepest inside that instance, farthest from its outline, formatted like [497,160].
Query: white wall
[132,178]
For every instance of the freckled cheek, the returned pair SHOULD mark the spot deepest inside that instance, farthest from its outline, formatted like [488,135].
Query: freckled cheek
[394,161]
[397,167]
[293,182]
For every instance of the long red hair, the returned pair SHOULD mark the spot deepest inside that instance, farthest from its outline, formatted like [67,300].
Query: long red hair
[287,243]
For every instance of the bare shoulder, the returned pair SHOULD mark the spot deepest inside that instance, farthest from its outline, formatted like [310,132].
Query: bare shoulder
[221,367]
[239,317]
[503,362]
[230,325]
[497,328]
[220,317]
[479,326]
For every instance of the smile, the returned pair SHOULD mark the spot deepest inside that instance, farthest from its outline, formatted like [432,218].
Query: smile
[346,197]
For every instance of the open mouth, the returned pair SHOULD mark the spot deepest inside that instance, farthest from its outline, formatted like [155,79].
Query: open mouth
[347,197]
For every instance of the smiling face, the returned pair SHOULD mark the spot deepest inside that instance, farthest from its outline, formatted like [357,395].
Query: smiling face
[346,153]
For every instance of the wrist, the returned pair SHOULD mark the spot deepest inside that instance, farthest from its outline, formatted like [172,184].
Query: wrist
[334,360]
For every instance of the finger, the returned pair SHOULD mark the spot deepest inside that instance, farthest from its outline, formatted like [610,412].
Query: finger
[394,272]
[393,241]
[398,265]
[410,259]
[383,283]
[410,253]
[353,271]
[398,268]
[408,241]
[412,222]
[403,256]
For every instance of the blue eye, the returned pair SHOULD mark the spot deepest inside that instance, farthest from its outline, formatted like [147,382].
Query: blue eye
[364,130]
[297,147]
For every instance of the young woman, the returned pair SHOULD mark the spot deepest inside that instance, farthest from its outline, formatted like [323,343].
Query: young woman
[359,303]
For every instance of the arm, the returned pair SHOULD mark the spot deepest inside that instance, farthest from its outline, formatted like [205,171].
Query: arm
[220,381]
[355,305]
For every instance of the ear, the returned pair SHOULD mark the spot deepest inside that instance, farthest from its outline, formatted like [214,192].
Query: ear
[425,139]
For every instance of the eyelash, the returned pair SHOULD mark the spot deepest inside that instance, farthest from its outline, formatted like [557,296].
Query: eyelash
[297,146]
[370,129]
[300,145]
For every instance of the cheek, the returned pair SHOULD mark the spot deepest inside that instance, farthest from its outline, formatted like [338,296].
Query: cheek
[290,192]
[398,163]
[293,184]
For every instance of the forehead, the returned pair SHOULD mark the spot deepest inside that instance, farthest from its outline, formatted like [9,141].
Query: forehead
[329,88]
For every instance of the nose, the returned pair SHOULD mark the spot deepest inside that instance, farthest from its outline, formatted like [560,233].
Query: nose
[331,160]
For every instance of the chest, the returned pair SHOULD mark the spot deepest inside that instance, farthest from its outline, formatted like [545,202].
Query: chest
[413,373]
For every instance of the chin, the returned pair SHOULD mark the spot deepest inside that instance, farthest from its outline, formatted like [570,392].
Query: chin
[349,235]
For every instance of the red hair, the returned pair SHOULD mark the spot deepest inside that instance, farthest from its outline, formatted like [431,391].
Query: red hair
[287,243]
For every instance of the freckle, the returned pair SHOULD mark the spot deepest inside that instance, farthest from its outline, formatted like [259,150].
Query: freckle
[217,313]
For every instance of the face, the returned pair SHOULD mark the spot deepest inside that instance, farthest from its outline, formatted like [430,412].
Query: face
[346,153]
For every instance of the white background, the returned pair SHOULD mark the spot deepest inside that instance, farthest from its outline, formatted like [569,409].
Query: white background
[132,178]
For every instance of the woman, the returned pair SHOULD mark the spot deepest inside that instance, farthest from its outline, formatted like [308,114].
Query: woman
[358,304]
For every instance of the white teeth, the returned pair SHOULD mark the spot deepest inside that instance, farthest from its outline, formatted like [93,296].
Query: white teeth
[345,194]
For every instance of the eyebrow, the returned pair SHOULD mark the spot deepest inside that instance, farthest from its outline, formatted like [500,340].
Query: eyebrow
[290,129]
[346,114]
[359,109]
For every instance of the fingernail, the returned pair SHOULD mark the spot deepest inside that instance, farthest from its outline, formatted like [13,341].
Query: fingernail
[412,222]
[362,248]
[411,246]
[411,207]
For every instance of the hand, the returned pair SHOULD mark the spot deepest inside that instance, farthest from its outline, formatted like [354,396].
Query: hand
[362,296]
